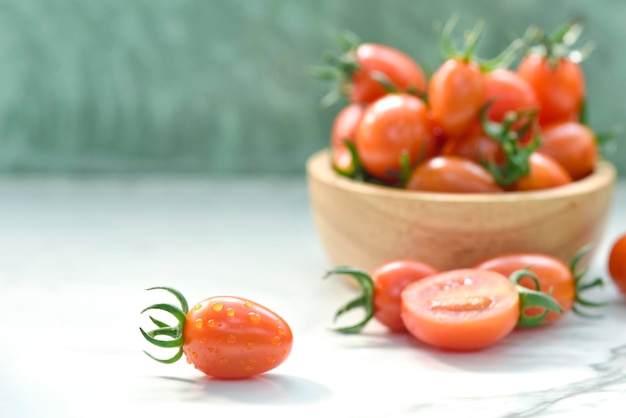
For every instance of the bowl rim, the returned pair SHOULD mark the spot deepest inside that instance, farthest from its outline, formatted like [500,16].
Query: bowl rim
[319,167]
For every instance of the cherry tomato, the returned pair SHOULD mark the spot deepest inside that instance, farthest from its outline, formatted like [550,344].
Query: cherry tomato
[456,93]
[545,173]
[344,129]
[559,86]
[463,310]
[402,72]
[394,125]
[224,336]
[556,278]
[508,92]
[451,174]
[572,145]
[617,263]
[475,145]
[381,292]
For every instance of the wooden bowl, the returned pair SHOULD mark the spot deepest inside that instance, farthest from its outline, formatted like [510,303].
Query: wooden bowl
[365,225]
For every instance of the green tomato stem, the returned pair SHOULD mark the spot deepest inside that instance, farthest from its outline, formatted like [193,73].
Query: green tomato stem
[365,300]
[532,298]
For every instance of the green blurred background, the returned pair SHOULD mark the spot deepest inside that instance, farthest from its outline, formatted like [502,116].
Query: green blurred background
[221,87]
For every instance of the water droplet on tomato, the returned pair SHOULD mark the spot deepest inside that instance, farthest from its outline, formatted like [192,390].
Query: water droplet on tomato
[218,351]
[281,330]
[254,317]
[249,346]
[198,323]
[217,306]
[230,312]
[275,341]
[270,359]
[194,354]
[252,360]
[283,353]
[197,307]
[248,368]
[210,323]
[247,304]
[232,339]
[224,360]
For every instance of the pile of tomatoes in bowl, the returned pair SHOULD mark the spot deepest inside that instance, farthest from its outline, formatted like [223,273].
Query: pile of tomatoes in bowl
[474,125]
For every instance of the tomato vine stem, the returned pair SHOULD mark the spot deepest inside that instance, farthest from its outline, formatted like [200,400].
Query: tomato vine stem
[365,300]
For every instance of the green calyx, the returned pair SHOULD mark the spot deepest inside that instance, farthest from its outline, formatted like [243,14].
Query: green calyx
[356,171]
[517,156]
[365,300]
[339,68]
[165,335]
[559,44]
[467,52]
[532,298]
[578,275]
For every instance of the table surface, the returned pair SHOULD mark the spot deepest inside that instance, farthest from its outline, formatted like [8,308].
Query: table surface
[76,256]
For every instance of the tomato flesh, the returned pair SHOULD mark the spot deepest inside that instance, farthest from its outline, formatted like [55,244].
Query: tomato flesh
[461,310]
[231,338]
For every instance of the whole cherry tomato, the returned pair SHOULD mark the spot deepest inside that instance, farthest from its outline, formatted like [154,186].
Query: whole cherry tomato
[393,126]
[562,282]
[617,263]
[398,68]
[558,84]
[572,145]
[381,292]
[451,174]
[507,92]
[344,129]
[225,336]
[474,145]
[545,173]
[456,93]
[468,309]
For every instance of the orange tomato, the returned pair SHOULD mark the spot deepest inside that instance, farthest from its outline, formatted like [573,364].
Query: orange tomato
[402,72]
[508,92]
[456,93]
[462,310]
[559,86]
[572,145]
[451,174]
[545,173]
[617,263]
[344,129]
[394,125]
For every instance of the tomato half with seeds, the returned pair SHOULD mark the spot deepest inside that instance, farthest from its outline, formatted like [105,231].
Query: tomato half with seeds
[559,86]
[225,337]
[572,145]
[452,174]
[617,263]
[391,127]
[380,292]
[561,281]
[401,71]
[465,309]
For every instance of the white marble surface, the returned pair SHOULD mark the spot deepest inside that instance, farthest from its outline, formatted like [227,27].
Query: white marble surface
[75,257]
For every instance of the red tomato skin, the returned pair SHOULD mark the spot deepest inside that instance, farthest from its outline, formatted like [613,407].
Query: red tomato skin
[555,278]
[509,93]
[545,173]
[233,338]
[452,174]
[461,310]
[560,89]
[389,281]
[344,129]
[403,72]
[394,124]
[572,145]
[475,145]
[617,263]
[456,93]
